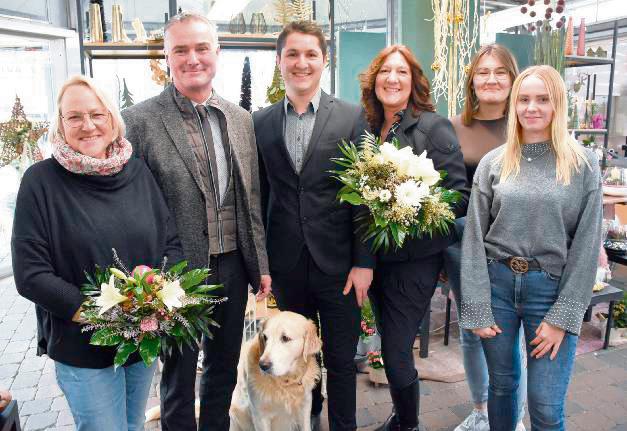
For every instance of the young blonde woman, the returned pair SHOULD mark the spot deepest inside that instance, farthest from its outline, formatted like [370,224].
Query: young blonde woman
[529,251]
[480,128]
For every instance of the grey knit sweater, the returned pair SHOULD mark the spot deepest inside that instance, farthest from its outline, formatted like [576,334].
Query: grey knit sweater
[533,216]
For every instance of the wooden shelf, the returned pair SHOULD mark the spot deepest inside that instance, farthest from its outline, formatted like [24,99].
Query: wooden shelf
[133,50]
[582,61]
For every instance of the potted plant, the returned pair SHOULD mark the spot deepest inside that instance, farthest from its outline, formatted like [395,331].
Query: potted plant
[619,328]
[376,370]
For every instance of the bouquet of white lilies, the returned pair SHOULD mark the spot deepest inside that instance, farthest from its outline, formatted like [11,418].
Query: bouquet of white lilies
[147,310]
[400,189]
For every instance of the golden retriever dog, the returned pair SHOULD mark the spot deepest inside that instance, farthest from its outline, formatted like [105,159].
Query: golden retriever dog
[277,371]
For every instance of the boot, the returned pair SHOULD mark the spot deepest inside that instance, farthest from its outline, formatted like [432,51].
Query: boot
[391,423]
[404,415]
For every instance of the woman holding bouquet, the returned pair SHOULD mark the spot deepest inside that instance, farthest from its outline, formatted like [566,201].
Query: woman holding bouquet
[529,252]
[395,96]
[481,128]
[71,211]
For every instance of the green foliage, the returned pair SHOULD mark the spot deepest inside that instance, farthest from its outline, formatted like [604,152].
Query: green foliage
[276,90]
[549,47]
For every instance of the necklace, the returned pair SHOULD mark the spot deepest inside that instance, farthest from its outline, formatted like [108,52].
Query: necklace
[532,152]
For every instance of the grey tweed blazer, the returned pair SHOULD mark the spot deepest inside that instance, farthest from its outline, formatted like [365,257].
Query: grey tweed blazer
[156,129]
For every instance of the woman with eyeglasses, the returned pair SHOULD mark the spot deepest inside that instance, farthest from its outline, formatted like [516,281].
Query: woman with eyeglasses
[481,128]
[71,211]
[529,251]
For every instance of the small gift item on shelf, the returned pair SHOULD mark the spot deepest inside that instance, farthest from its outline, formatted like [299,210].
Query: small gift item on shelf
[590,52]
[581,40]
[237,24]
[117,29]
[140,31]
[258,23]
[156,35]
[95,23]
[601,53]
[568,46]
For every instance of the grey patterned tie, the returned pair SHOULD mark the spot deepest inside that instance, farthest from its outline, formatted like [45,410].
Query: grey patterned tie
[216,149]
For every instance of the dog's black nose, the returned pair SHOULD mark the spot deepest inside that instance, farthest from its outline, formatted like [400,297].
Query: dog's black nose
[265,366]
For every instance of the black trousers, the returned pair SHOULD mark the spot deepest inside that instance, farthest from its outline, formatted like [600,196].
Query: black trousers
[221,355]
[401,293]
[309,291]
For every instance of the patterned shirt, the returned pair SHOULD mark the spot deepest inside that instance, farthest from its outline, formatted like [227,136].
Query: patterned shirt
[297,129]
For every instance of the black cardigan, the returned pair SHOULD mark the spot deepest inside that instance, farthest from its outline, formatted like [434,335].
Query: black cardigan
[66,224]
[430,132]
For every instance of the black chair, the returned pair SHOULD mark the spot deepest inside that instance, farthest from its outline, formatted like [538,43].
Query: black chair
[10,418]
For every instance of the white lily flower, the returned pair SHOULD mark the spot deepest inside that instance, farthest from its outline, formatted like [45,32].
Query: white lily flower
[171,294]
[389,153]
[422,168]
[109,297]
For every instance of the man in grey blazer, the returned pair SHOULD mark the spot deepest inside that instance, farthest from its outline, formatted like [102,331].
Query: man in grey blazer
[202,152]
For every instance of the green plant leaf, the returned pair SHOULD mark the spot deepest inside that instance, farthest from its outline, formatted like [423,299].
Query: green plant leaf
[125,349]
[105,337]
[352,198]
[178,268]
[149,349]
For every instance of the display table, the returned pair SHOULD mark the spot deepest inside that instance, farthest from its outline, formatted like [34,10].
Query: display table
[610,294]
[608,205]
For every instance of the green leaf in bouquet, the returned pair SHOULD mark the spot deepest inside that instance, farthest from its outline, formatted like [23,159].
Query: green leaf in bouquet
[193,277]
[352,198]
[205,288]
[398,234]
[125,349]
[105,337]
[380,221]
[451,196]
[177,330]
[149,349]
[178,268]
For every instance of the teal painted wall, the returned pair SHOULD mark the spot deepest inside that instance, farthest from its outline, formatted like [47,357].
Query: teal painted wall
[521,45]
[416,32]
[355,52]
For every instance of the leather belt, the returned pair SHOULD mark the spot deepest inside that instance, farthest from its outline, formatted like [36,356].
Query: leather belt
[520,265]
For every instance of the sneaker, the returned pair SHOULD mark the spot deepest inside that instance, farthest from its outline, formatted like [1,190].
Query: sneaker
[520,427]
[476,421]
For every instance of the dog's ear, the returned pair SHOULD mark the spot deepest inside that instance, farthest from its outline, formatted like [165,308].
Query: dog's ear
[261,339]
[312,344]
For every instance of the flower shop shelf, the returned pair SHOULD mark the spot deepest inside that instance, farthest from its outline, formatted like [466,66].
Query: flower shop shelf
[582,61]
[124,50]
[588,131]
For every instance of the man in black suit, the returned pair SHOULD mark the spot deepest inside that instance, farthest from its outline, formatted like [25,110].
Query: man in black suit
[319,267]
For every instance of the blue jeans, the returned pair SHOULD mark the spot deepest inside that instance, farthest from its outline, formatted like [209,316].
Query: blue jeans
[525,298]
[104,399]
[474,359]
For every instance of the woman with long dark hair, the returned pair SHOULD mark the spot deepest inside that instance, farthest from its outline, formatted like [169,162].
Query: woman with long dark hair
[395,96]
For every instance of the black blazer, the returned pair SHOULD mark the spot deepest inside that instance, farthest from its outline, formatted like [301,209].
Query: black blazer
[435,134]
[302,210]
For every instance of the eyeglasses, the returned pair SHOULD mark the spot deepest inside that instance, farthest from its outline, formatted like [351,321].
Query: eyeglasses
[499,74]
[77,119]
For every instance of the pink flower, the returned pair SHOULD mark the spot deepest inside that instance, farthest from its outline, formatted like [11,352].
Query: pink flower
[149,324]
[141,270]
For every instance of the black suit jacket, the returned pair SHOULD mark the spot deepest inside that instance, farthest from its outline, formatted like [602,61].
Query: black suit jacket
[302,210]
